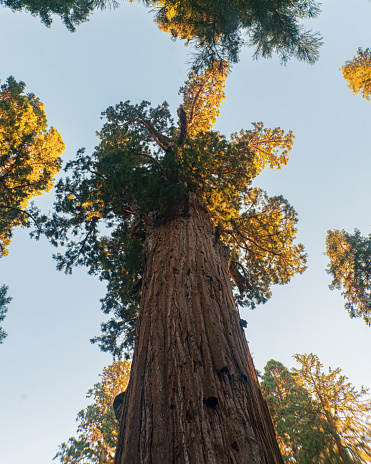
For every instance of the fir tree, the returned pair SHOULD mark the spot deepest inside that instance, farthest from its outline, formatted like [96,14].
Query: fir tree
[350,268]
[166,217]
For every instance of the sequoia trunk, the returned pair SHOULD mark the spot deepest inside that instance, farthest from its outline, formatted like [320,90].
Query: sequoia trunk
[193,395]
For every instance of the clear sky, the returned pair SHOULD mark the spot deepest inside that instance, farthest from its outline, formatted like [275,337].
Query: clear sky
[47,363]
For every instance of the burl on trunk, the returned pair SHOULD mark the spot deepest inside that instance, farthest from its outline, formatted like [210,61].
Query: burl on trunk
[193,395]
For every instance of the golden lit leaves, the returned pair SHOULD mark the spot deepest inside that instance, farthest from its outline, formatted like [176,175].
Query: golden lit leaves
[29,155]
[98,427]
[270,146]
[347,413]
[357,73]
[202,95]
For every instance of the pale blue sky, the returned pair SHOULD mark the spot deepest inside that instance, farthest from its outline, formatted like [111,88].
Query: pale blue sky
[47,363]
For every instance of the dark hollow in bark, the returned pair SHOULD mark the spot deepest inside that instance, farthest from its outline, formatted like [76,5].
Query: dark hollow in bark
[193,395]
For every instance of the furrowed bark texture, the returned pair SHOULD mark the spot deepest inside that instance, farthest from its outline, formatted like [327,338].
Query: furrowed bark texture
[193,395]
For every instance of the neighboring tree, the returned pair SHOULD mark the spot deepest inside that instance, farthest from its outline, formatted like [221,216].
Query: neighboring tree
[98,427]
[350,268]
[302,434]
[29,156]
[347,413]
[29,159]
[166,218]
[72,12]
[319,418]
[357,72]
[216,28]
[4,301]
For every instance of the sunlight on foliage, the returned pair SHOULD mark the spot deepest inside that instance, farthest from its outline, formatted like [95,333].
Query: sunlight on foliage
[357,72]
[319,418]
[29,156]
[98,427]
[145,167]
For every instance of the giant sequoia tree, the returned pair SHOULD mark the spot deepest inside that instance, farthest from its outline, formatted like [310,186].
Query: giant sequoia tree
[216,28]
[168,215]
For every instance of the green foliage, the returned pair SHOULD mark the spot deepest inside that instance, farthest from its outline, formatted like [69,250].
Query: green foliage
[72,12]
[302,434]
[319,418]
[357,72]
[345,410]
[350,268]
[98,428]
[216,28]
[4,301]
[143,171]
[29,156]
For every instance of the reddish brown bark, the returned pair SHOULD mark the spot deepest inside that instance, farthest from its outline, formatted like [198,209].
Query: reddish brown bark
[193,395]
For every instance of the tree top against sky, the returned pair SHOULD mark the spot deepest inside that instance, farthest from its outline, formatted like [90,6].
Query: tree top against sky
[216,29]
[144,170]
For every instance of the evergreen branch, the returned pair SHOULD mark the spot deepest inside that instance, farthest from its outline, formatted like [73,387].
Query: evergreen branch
[24,212]
[147,155]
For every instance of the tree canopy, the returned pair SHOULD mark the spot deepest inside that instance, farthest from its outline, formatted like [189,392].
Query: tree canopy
[144,167]
[216,28]
[357,72]
[29,156]
[319,418]
[98,428]
[72,12]
[350,268]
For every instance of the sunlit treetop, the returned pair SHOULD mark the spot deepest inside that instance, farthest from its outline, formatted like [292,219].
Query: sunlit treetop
[357,72]
[217,29]
[346,410]
[319,416]
[350,268]
[29,156]
[143,170]
[302,433]
[98,428]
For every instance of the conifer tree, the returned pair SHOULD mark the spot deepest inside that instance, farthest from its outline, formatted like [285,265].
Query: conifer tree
[98,427]
[345,410]
[217,29]
[166,217]
[357,72]
[29,159]
[319,418]
[350,268]
[29,156]
[303,435]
